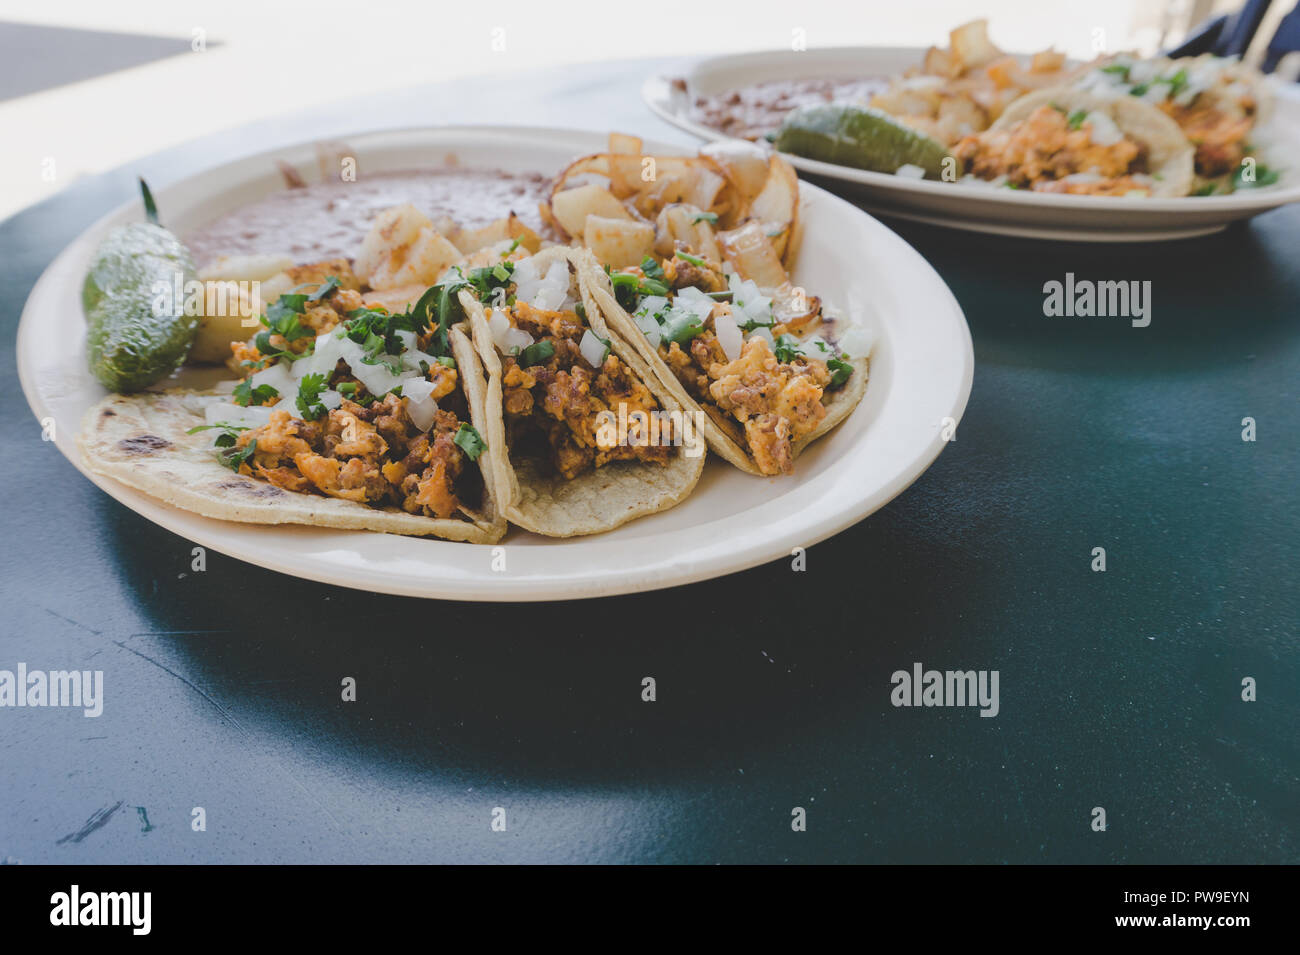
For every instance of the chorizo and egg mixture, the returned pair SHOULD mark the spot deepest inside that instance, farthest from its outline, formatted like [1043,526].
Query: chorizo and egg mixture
[752,359]
[1212,99]
[562,385]
[1052,150]
[353,401]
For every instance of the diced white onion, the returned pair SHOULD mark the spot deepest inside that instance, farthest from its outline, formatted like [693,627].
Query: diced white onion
[498,325]
[1104,131]
[411,359]
[729,334]
[857,340]
[420,405]
[422,413]
[1157,93]
[550,291]
[765,334]
[652,305]
[593,349]
[516,339]
[378,379]
[330,399]
[650,327]
[910,171]
[278,377]
[814,346]
[220,412]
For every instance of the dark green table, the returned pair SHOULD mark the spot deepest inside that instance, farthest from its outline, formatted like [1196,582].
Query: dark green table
[1119,689]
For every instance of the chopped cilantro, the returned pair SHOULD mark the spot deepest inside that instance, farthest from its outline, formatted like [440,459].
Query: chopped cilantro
[787,348]
[1118,69]
[536,353]
[652,269]
[469,440]
[309,390]
[693,259]
[710,217]
[233,457]
[229,432]
[629,289]
[245,394]
[681,326]
[840,371]
[1076,118]
[326,289]
[1264,176]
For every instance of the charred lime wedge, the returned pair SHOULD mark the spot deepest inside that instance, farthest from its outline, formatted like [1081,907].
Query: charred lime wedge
[859,136]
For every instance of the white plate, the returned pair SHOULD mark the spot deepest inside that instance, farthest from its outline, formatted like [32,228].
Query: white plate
[1000,211]
[920,375]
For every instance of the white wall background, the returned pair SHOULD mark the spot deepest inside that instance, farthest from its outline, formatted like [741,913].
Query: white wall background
[270,57]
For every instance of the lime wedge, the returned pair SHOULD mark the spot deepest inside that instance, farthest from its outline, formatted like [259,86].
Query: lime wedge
[859,136]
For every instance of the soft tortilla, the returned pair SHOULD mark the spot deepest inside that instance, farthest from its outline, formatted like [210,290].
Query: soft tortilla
[1170,155]
[598,500]
[721,431]
[141,441]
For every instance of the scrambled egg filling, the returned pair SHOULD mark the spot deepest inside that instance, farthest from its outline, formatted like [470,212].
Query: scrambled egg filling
[553,406]
[775,403]
[369,450]
[1040,152]
[1219,135]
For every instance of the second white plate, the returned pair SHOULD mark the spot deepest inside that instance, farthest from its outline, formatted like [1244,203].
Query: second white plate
[999,211]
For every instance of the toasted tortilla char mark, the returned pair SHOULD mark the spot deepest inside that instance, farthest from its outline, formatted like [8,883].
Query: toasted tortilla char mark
[143,444]
[256,489]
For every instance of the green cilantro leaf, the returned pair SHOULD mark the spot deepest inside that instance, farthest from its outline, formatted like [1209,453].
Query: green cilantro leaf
[309,390]
[469,440]
[536,353]
[229,432]
[233,457]
[245,394]
[840,371]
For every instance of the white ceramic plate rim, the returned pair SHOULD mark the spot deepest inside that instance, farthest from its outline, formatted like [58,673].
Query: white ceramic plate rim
[657,93]
[932,381]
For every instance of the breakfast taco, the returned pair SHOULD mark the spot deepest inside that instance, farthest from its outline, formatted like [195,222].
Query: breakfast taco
[767,381]
[1218,103]
[349,415]
[688,265]
[1067,140]
[581,435]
